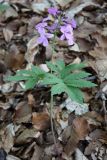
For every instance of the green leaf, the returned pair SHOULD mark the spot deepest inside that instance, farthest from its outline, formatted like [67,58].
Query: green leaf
[76,76]
[53,67]
[30,84]
[75,94]
[24,72]
[17,78]
[81,84]
[70,68]
[36,70]
[51,79]
[60,64]
[58,88]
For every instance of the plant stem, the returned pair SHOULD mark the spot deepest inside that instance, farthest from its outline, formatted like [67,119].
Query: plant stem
[52,125]
[51,104]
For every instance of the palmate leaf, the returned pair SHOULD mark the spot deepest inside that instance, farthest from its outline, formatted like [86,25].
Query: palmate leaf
[17,78]
[37,71]
[76,76]
[30,83]
[51,79]
[72,92]
[58,88]
[81,84]
[60,64]
[53,67]
[75,94]
[70,68]
[24,72]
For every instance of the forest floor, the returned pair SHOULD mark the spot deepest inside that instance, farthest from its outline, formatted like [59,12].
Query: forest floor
[25,128]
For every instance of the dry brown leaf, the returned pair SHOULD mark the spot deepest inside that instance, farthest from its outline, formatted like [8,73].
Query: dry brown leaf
[54,150]
[32,50]
[40,6]
[25,136]
[100,135]
[63,3]
[8,34]
[80,129]
[73,11]
[100,55]
[91,147]
[14,59]
[8,138]
[23,112]
[37,153]
[10,12]
[41,121]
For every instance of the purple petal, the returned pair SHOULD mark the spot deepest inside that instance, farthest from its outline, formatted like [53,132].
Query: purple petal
[63,29]
[62,37]
[46,19]
[53,11]
[70,41]
[40,40]
[69,29]
[45,42]
[68,35]
[41,25]
[73,23]
[41,31]
[49,35]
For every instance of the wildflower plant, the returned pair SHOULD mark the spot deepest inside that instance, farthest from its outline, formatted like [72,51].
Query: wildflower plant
[61,78]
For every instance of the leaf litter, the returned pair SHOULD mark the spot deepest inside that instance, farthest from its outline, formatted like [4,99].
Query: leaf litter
[25,128]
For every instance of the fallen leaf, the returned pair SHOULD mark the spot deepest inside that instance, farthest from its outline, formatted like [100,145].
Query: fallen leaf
[54,150]
[10,12]
[37,153]
[41,121]
[41,6]
[22,112]
[73,11]
[8,34]
[32,49]
[63,3]
[100,54]
[14,59]
[8,138]
[25,136]
[80,129]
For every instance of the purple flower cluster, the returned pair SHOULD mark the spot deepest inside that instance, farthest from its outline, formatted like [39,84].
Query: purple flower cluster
[47,28]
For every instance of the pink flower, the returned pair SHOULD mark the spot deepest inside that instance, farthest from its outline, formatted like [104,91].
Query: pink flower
[67,31]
